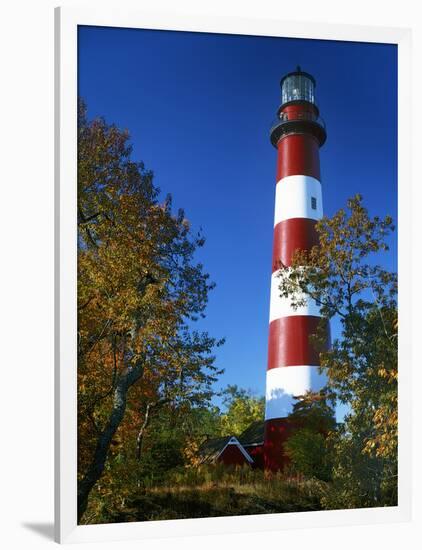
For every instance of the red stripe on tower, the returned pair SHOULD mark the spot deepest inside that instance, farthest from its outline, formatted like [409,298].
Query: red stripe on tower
[291,235]
[292,359]
[298,155]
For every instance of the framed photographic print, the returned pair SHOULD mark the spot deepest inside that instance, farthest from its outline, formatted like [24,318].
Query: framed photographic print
[232,208]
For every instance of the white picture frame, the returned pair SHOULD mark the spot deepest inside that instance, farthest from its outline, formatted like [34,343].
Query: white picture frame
[66,23]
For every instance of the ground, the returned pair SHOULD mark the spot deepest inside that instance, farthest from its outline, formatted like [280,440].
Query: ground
[213,499]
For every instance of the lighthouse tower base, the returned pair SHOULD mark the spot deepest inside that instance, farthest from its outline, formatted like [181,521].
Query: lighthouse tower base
[276,433]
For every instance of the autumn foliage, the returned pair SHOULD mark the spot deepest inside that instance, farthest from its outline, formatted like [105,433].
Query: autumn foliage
[139,293]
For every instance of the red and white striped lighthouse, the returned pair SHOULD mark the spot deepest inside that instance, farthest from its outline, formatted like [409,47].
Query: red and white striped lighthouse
[292,360]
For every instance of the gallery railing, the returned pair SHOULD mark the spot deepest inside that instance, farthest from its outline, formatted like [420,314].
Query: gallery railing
[295,122]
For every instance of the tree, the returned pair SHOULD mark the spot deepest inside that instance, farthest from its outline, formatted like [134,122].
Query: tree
[242,408]
[139,292]
[307,448]
[175,437]
[342,276]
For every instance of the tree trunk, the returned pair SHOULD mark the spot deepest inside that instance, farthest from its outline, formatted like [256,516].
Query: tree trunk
[140,437]
[145,424]
[96,468]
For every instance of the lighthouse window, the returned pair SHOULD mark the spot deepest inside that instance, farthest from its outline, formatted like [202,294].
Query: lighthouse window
[313,203]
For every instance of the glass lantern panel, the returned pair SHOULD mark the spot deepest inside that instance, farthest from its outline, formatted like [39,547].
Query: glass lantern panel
[297,87]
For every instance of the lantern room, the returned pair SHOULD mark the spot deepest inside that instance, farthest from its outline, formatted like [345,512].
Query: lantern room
[297,86]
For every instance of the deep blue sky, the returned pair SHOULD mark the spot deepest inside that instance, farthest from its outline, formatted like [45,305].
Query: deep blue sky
[199,106]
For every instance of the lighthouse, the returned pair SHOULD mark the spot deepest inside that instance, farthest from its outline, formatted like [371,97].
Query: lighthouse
[292,367]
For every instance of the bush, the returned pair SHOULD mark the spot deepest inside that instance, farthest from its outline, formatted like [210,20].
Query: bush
[309,454]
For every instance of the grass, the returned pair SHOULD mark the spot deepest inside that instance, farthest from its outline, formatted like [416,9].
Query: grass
[209,492]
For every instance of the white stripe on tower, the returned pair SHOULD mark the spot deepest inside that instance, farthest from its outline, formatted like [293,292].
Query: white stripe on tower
[294,381]
[283,307]
[298,197]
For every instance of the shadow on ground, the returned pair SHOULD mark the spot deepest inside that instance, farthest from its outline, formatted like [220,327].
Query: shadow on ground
[205,503]
[46,530]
